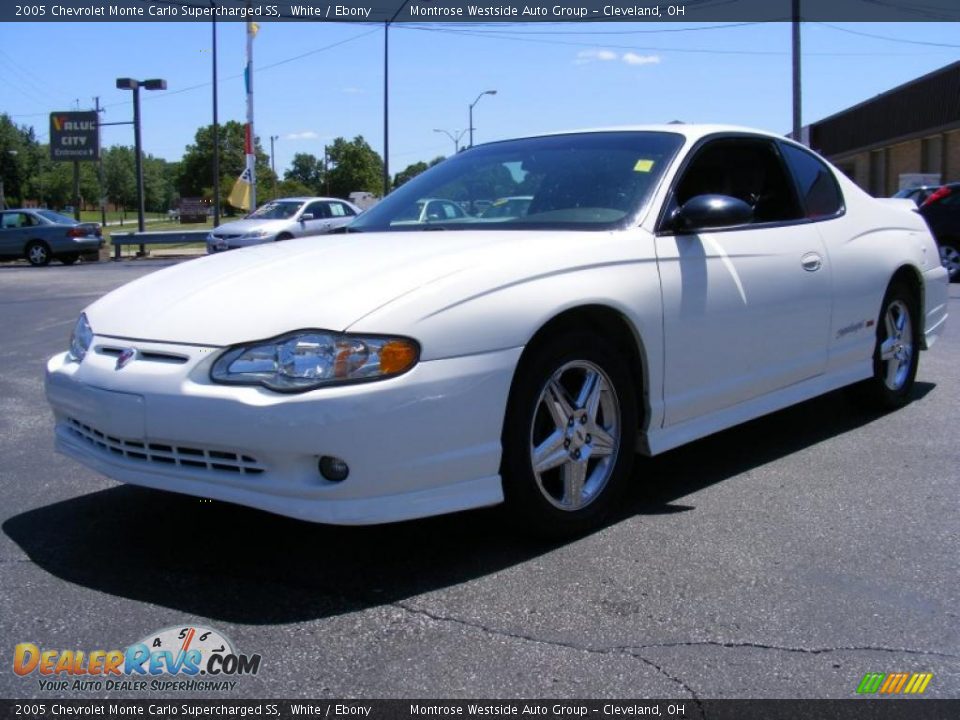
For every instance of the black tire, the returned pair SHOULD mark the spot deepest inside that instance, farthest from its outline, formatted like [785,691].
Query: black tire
[892,383]
[69,258]
[535,500]
[37,253]
[284,236]
[950,258]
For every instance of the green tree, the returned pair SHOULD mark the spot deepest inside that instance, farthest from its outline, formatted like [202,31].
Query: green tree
[307,171]
[195,171]
[356,167]
[408,173]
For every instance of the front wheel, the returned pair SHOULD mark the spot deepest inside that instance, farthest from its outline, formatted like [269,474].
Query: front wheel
[37,253]
[897,351]
[568,438]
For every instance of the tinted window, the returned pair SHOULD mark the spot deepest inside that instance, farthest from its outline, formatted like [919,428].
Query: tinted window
[746,169]
[319,210]
[577,181]
[818,188]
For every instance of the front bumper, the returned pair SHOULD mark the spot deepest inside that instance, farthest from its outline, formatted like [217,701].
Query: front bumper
[425,443]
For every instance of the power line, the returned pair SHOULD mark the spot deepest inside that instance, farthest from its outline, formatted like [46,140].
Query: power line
[888,38]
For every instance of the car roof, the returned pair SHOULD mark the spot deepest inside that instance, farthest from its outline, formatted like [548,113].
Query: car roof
[692,131]
[305,199]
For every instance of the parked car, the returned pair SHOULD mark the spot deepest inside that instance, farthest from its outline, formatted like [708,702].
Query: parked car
[942,212]
[508,207]
[667,282]
[429,210]
[282,220]
[917,193]
[42,235]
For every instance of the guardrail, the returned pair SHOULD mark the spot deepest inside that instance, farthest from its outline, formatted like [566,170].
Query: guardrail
[172,237]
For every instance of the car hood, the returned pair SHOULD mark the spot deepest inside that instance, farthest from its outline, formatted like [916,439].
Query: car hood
[242,227]
[267,290]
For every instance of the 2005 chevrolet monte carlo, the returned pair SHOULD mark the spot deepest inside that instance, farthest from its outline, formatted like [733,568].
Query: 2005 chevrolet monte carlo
[662,284]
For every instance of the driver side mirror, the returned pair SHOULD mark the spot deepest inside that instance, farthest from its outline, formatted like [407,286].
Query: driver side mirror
[708,212]
[306,216]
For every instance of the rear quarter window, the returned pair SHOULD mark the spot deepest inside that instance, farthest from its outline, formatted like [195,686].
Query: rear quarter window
[817,186]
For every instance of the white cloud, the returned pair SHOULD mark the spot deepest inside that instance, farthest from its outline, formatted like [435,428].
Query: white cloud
[634,59]
[588,56]
[305,135]
[585,57]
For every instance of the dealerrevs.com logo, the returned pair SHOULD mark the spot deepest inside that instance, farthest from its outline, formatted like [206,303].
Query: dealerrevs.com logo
[176,658]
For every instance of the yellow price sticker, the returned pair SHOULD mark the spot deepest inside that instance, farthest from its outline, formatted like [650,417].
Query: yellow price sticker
[643,166]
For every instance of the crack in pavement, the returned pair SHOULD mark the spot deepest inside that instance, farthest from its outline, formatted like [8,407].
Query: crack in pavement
[636,650]
[629,651]
[790,649]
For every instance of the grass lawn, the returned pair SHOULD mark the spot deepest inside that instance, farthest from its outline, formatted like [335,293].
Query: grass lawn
[130,218]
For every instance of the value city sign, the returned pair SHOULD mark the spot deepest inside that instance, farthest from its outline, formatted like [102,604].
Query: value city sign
[74,136]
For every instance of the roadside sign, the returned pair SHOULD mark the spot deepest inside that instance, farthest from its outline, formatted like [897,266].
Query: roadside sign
[193,210]
[74,136]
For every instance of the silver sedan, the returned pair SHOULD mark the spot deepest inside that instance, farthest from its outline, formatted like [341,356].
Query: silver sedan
[283,219]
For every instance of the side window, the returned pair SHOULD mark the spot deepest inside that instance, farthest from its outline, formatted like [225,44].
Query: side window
[818,187]
[5,219]
[344,209]
[744,168]
[319,210]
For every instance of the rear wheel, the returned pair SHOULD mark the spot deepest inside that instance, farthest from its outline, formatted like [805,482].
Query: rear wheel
[568,435]
[37,253]
[950,258]
[897,351]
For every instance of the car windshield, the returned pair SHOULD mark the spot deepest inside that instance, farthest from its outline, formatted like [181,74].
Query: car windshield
[588,181]
[278,210]
[56,217]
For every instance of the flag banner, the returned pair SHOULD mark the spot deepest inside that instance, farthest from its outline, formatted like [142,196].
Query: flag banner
[240,195]
[253,28]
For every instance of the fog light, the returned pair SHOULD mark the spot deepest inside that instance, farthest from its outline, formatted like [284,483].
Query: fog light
[333,468]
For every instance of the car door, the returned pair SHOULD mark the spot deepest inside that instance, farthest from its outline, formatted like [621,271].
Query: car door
[12,233]
[320,222]
[746,308]
[340,214]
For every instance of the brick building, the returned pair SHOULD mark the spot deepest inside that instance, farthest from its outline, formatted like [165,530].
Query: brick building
[913,128]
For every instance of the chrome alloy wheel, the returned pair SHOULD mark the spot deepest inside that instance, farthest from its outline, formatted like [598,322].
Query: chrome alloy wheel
[37,254]
[575,435]
[896,351]
[950,259]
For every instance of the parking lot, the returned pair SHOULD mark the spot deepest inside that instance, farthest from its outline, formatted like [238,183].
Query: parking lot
[784,558]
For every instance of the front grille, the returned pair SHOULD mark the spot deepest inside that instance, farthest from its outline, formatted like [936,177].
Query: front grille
[161,453]
[147,355]
[225,236]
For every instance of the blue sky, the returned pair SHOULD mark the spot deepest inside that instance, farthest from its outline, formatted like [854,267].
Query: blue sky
[549,76]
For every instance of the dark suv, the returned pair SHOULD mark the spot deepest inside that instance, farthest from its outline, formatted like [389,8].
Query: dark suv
[942,212]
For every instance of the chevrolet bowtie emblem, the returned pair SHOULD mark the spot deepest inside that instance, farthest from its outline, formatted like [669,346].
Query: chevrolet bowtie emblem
[124,358]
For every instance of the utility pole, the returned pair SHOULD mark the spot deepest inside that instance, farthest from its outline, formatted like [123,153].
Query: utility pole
[216,127]
[103,199]
[273,165]
[386,98]
[797,124]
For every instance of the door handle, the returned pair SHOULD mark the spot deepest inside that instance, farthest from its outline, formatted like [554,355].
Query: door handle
[811,262]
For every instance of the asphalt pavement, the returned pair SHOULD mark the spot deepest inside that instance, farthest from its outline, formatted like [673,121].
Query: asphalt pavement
[784,558]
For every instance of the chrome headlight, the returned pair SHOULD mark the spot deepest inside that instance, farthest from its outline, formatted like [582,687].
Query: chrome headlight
[80,338]
[309,359]
[258,234]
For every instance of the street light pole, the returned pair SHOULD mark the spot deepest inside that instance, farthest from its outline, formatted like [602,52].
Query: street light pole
[273,165]
[485,92]
[216,126]
[386,98]
[455,138]
[131,84]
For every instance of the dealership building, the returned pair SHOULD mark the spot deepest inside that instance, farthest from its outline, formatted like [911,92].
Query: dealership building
[909,130]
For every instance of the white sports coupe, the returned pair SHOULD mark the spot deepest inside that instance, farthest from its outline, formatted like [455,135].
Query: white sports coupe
[664,283]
